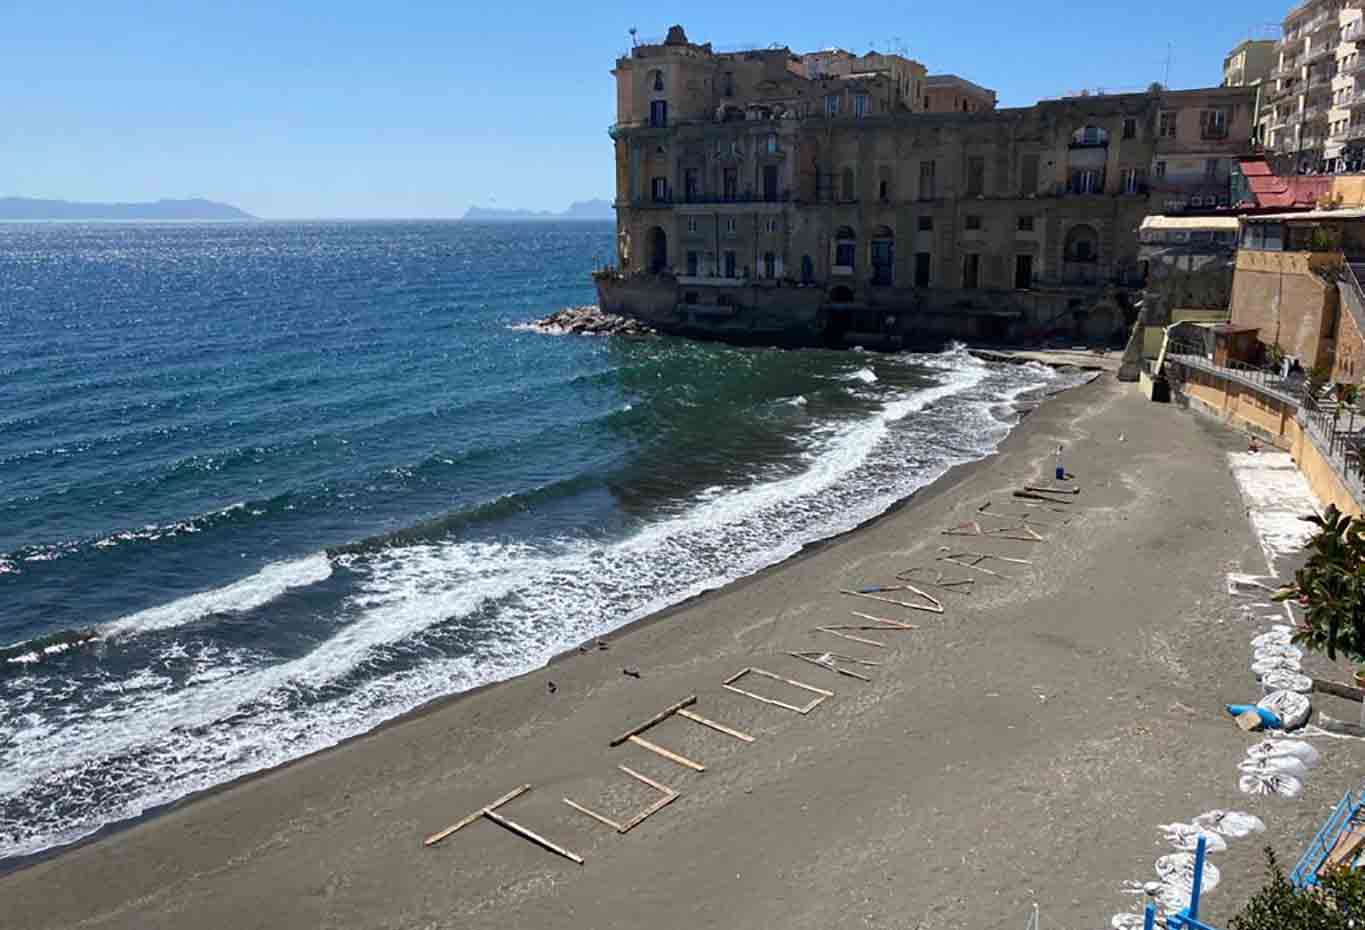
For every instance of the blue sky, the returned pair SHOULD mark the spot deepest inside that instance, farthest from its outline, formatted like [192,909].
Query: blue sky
[333,108]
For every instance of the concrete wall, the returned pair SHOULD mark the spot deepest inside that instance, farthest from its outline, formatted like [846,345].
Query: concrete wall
[1288,300]
[1321,476]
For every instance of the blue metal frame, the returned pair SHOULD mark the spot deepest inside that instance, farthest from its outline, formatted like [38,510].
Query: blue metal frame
[1305,874]
[1187,918]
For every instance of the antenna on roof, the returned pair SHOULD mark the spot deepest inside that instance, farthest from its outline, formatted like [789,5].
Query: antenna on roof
[1167,81]
[633,42]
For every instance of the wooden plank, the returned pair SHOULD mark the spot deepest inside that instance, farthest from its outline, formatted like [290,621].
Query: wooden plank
[936,609]
[437,837]
[669,796]
[1052,490]
[595,816]
[883,620]
[718,727]
[1344,849]
[1029,495]
[667,754]
[1327,686]
[833,631]
[830,665]
[532,836]
[657,719]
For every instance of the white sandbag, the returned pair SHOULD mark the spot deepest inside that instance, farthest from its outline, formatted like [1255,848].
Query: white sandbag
[1284,786]
[1282,679]
[1185,837]
[1277,649]
[1177,870]
[1291,707]
[1285,765]
[1299,749]
[1272,638]
[1260,667]
[1234,824]
[1126,921]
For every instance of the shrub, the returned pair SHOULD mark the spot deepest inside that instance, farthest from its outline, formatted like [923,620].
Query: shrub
[1331,587]
[1337,904]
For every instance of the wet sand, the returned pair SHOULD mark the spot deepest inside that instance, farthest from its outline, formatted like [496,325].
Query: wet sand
[1021,747]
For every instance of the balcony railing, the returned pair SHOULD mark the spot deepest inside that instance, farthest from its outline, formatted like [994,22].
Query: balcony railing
[674,199]
[1354,32]
[1193,355]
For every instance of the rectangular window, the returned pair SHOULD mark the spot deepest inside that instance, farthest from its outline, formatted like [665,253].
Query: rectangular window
[658,189]
[730,263]
[1161,169]
[731,224]
[692,264]
[860,105]
[769,265]
[1210,167]
[731,184]
[1026,224]
[926,180]
[925,223]
[1130,127]
[1165,126]
[971,270]
[832,105]
[692,224]
[973,221]
[772,143]
[770,225]
[658,113]
[770,183]
[1028,175]
[692,184]
[1023,272]
[1130,181]
[845,254]
[921,269]
[1087,181]
[1213,124]
[976,176]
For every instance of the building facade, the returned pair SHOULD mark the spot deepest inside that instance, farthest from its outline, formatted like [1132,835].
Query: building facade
[948,93]
[762,196]
[1314,100]
[1250,62]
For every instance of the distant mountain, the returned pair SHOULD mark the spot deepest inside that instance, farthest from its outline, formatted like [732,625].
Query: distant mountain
[26,208]
[578,210]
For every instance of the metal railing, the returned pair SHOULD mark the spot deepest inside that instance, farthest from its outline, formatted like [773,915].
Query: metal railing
[1193,355]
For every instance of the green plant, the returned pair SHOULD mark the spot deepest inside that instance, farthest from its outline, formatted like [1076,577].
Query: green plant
[1274,355]
[1337,904]
[1331,587]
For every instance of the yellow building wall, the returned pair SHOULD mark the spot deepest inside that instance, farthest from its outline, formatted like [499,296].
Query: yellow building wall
[1322,478]
[1242,407]
[1349,191]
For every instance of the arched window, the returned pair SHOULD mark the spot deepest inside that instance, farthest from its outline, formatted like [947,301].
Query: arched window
[845,248]
[1082,244]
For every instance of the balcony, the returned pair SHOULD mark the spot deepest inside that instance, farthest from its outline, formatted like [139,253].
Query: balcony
[1321,78]
[1319,52]
[1355,32]
[697,198]
[1286,69]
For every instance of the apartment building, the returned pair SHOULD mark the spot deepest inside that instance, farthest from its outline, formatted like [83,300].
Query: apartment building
[1314,105]
[787,198]
[1250,62]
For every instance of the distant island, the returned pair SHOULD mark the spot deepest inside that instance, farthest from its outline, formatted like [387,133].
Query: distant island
[578,210]
[27,208]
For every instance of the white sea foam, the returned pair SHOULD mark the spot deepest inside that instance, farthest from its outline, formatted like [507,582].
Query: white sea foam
[865,375]
[528,602]
[247,594]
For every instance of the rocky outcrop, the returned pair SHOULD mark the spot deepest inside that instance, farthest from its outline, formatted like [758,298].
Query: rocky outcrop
[589,321]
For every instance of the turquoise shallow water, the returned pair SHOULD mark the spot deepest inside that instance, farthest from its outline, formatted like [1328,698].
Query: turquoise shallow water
[302,477]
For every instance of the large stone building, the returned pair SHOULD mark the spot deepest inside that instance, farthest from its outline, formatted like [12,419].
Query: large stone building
[804,198]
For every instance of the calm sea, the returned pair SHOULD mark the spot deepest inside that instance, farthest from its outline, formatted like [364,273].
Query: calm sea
[303,477]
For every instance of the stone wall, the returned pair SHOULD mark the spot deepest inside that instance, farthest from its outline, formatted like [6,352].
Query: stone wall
[1291,297]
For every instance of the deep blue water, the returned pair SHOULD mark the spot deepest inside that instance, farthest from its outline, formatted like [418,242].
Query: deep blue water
[302,477]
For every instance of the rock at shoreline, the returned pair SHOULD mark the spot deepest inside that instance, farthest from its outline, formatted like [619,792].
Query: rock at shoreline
[589,321]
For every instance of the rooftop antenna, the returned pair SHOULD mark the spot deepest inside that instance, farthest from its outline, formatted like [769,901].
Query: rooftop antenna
[633,42]
[1167,82]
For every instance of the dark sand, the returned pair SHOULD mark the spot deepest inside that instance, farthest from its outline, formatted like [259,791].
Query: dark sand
[1022,747]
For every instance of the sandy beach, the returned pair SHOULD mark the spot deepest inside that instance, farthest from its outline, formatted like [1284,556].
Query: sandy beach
[1023,746]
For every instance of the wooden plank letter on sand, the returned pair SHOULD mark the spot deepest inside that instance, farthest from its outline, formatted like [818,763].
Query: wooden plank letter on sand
[490,811]
[668,797]
[821,695]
